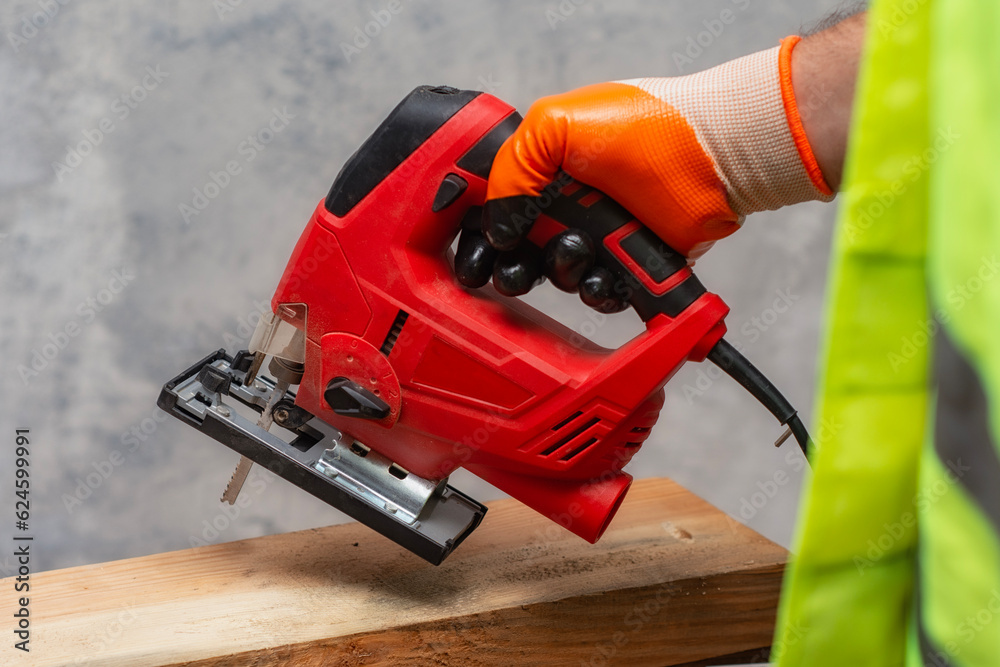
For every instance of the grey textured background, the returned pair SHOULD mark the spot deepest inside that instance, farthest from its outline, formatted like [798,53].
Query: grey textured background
[196,285]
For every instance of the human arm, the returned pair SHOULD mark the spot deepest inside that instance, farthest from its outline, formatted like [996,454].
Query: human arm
[824,71]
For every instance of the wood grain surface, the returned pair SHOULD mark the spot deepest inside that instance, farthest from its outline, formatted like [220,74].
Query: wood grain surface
[673,581]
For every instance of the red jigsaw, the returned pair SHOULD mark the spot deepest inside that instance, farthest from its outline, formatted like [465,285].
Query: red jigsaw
[427,376]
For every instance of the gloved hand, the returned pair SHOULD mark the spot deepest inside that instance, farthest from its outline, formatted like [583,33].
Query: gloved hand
[689,156]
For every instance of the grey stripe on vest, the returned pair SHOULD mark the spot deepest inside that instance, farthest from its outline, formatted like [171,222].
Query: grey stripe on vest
[931,655]
[961,430]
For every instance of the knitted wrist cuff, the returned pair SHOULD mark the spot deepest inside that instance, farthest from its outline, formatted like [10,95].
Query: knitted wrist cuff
[745,117]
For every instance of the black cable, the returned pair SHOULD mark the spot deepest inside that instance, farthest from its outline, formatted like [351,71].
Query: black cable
[726,357]
[800,433]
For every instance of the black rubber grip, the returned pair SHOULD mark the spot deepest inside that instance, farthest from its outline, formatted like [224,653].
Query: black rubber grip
[479,159]
[649,254]
[600,216]
[408,126]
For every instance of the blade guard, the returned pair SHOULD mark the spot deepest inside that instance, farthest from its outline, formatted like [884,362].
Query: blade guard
[484,382]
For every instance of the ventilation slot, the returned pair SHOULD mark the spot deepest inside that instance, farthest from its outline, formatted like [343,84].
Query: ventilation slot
[567,420]
[394,331]
[575,433]
[579,449]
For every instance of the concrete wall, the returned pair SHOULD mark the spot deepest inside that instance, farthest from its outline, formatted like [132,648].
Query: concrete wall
[101,247]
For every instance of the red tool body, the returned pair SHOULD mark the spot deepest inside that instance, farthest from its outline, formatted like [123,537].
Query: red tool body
[403,375]
[475,379]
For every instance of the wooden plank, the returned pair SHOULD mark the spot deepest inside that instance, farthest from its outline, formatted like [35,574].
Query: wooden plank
[755,657]
[673,581]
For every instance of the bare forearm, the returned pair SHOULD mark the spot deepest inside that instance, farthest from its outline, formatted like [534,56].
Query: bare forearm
[824,71]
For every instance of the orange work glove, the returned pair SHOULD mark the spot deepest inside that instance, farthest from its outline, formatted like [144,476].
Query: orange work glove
[689,156]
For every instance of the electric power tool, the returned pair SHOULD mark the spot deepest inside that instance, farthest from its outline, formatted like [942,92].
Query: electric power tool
[385,375]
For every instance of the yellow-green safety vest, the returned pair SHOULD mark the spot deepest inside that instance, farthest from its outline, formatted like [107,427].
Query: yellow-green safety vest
[897,552]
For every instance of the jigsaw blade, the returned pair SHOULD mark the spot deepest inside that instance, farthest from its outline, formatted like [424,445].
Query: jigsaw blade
[232,491]
[236,481]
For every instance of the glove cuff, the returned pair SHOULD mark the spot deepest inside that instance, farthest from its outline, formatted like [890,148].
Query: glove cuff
[795,120]
[745,116]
